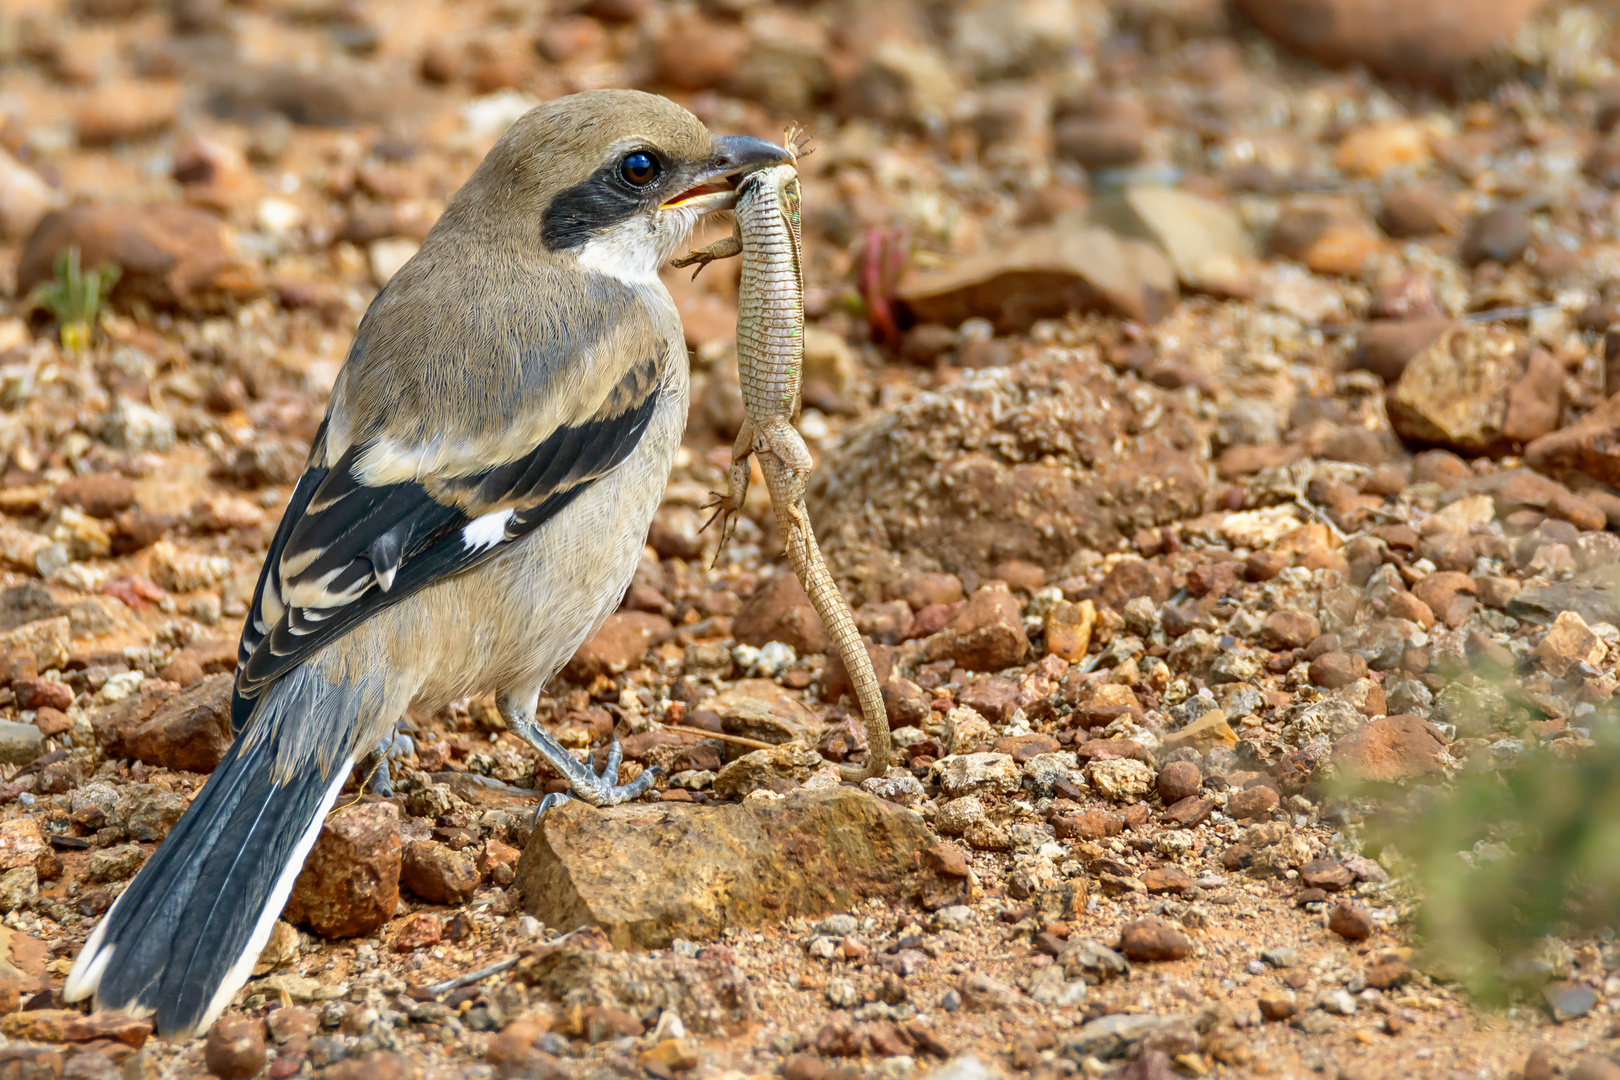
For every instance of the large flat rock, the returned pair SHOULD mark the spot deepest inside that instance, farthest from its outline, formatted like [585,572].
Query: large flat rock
[648,873]
[1594,595]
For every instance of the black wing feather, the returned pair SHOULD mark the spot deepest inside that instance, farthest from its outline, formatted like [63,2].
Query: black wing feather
[252,636]
[359,530]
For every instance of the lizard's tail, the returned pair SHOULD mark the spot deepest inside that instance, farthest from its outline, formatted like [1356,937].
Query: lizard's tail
[830,604]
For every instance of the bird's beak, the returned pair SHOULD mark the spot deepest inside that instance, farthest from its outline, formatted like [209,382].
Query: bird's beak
[734,157]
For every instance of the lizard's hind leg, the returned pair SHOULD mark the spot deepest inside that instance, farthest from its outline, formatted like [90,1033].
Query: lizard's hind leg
[728,505]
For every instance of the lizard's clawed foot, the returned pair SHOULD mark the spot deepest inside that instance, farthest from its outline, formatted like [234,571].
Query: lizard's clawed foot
[700,259]
[725,248]
[584,784]
[725,510]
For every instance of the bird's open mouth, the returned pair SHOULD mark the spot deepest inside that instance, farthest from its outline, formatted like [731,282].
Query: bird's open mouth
[701,191]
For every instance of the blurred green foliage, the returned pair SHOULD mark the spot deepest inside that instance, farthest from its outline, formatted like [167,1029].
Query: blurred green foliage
[1517,850]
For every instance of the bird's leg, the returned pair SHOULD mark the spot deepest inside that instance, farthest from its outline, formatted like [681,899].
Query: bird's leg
[727,506]
[583,783]
[724,248]
[396,745]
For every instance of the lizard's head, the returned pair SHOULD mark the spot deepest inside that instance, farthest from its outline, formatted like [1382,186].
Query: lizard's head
[616,178]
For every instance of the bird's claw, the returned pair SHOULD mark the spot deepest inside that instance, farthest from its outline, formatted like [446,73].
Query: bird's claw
[603,790]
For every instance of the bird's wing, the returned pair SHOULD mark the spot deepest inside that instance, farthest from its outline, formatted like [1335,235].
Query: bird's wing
[347,548]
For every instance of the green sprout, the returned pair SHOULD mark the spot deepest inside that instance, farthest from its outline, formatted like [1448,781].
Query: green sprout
[75,298]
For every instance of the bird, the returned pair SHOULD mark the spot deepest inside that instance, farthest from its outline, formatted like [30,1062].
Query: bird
[473,507]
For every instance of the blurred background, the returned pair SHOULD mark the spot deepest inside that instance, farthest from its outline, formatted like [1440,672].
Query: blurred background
[1246,363]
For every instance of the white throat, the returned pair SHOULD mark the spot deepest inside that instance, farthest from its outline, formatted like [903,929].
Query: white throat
[633,251]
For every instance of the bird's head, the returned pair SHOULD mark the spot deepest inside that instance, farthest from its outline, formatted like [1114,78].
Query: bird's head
[616,179]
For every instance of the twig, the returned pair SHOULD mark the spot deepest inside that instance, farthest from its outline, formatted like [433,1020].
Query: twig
[740,740]
[440,989]
[1502,314]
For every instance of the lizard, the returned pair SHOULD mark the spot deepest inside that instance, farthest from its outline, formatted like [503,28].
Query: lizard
[770,364]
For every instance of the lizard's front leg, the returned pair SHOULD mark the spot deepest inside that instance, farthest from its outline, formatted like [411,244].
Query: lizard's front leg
[725,248]
[727,506]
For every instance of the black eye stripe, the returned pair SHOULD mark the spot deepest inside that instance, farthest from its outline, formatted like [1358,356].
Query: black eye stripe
[600,201]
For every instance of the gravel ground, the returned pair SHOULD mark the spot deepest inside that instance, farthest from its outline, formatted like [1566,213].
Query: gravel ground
[1220,450]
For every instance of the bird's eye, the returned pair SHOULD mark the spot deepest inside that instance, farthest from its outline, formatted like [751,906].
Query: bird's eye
[639,169]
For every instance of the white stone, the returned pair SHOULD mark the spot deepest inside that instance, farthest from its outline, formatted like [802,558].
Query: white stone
[1120,779]
[968,774]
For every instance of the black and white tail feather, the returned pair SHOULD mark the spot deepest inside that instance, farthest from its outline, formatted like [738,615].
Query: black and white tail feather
[182,939]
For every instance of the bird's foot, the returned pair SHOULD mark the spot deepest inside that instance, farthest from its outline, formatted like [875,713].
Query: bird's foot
[584,784]
[397,745]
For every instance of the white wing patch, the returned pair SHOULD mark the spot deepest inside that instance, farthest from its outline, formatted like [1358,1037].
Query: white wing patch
[486,531]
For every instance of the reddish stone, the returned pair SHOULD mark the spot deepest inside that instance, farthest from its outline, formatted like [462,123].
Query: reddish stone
[1103,749]
[418,931]
[1213,579]
[1254,802]
[189,730]
[1326,874]
[1088,825]
[1190,811]
[1024,576]
[985,634]
[350,882]
[1385,348]
[1424,42]
[991,696]
[171,255]
[381,1065]
[234,1049]
[1390,748]
[1179,780]
[101,494]
[1449,594]
[1289,629]
[70,1025]
[1024,747]
[1403,605]
[804,1067]
[1167,879]
[1237,857]
[1590,446]
[438,874]
[1333,670]
[1128,580]
[1350,921]
[618,645]
[34,692]
[1239,461]
[921,590]
[1151,940]
[948,859]
[1277,1005]
[1388,975]
[52,722]
[779,610]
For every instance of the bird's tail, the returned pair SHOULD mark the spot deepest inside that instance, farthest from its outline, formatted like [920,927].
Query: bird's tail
[181,940]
